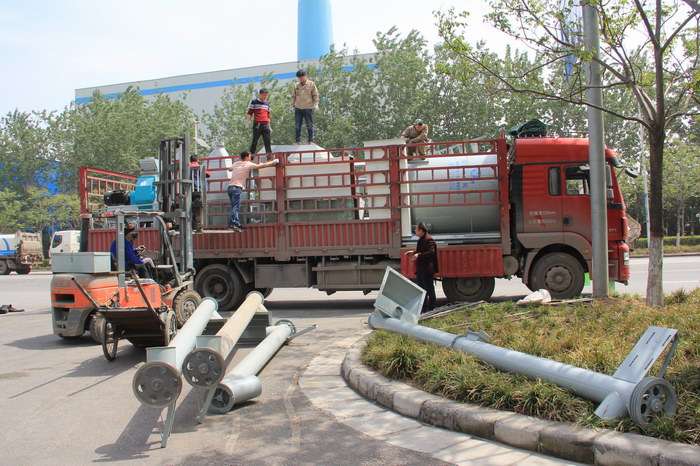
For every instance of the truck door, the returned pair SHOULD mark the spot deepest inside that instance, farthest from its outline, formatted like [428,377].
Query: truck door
[577,201]
[541,201]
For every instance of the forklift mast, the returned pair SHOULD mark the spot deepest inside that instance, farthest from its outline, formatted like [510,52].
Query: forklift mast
[175,194]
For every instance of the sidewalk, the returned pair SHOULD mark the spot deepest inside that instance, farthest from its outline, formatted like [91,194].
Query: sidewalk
[324,386]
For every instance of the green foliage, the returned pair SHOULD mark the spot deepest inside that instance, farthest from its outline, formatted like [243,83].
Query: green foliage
[35,209]
[670,241]
[596,336]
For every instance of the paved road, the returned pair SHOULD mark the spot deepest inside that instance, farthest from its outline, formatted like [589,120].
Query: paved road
[62,402]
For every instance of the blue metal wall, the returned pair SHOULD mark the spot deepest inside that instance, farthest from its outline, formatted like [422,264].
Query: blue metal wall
[315,29]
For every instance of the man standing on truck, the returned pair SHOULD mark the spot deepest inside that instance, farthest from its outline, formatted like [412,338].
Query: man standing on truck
[239,173]
[415,134]
[304,102]
[259,109]
[131,260]
[426,259]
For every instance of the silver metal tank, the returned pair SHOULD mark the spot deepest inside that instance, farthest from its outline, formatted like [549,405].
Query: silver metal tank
[470,170]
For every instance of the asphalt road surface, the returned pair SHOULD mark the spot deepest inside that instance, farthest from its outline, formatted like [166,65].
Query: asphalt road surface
[61,402]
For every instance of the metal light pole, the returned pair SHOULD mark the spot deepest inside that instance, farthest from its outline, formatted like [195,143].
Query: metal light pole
[596,155]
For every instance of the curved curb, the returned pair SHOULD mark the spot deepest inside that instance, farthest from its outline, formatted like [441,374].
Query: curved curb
[559,439]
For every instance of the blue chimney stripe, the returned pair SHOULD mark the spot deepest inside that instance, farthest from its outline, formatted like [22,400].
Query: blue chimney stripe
[206,85]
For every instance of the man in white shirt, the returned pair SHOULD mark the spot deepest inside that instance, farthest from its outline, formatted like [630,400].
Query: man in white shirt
[239,173]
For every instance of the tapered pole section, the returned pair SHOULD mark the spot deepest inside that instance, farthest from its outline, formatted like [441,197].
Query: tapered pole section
[596,154]
[205,366]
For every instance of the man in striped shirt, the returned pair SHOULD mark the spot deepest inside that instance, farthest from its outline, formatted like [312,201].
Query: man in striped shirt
[259,109]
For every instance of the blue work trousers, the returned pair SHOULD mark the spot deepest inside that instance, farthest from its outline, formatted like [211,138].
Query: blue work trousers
[307,114]
[234,195]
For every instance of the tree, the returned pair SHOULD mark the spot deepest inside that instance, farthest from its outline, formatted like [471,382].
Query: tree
[660,71]
[682,181]
[113,134]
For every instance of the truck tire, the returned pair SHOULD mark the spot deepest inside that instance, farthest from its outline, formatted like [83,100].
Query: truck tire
[184,304]
[222,283]
[4,268]
[468,289]
[23,269]
[559,273]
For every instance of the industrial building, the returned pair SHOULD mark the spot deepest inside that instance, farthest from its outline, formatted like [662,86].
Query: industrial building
[202,91]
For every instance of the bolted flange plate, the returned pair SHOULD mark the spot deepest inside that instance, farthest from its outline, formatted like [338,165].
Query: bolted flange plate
[203,368]
[653,397]
[157,384]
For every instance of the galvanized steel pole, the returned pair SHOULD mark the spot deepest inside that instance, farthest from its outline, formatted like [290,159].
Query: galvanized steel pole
[240,383]
[157,383]
[205,366]
[618,397]
[596,154]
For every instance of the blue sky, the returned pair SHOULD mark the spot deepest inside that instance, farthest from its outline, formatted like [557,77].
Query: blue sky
[49,48]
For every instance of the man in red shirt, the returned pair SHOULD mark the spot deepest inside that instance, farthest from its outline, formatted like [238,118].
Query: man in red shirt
[259,109]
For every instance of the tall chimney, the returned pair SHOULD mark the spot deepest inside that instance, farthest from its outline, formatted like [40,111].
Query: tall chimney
[315,29]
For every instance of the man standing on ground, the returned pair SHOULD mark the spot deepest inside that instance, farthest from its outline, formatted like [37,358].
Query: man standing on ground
[304,102]
[239,173]
[426,259]
[259,109]
[417,133]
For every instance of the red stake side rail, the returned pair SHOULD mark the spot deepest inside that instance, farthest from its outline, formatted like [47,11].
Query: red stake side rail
[346,202]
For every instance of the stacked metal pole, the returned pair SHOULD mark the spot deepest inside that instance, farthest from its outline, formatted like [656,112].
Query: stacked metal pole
[158,383]
[241,383]
[205,366]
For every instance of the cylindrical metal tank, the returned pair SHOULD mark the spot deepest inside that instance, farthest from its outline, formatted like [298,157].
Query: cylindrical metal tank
[217,185]
[460,174]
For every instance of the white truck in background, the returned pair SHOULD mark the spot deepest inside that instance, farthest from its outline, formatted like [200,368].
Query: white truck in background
[64,242]
[19,252]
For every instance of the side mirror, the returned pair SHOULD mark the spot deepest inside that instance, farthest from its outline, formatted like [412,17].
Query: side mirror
[631,173]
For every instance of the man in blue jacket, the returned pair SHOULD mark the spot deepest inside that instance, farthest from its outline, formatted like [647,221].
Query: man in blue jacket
[132,261]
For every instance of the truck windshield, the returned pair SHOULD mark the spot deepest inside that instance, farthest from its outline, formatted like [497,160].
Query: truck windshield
[57,239]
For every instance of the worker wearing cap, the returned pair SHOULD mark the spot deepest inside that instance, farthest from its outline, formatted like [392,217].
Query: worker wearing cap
[131,260]
[304,102]
[259,109]
[417,133]
[239,174]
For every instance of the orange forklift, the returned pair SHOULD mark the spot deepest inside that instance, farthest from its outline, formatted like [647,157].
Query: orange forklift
[94,291]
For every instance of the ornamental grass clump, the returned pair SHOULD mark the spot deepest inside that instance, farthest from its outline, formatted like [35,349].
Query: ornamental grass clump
[595,335]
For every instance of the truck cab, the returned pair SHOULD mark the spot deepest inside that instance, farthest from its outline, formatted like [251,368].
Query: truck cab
[551,214]
[65,241]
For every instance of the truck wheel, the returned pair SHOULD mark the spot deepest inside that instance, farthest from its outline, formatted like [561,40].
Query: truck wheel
[23,269]
[4,268]
[558,273]
[468,289]
[95,327]
[184,304]
[222,283]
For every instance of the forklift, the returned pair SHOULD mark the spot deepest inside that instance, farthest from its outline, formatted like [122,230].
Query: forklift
[94,291]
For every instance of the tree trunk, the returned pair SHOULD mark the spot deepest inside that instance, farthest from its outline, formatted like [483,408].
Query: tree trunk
[679,222]
[655,290]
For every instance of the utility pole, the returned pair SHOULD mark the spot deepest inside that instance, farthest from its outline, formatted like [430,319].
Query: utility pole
[596,155]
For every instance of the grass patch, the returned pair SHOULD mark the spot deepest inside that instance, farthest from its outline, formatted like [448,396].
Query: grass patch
[596,336]
[668,250]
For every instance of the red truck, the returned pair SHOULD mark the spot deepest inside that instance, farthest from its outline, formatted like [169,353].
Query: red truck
[335,219]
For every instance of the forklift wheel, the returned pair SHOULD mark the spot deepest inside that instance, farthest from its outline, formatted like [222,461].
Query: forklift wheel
[110,340]
[170,329]
[184,304]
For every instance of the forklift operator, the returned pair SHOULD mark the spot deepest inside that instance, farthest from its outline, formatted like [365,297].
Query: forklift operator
[132,261]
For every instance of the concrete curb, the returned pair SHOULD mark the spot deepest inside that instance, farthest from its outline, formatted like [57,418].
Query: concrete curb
[558,439]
